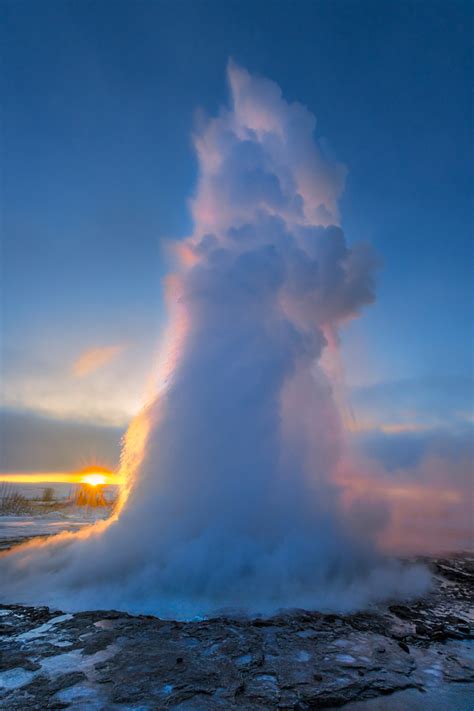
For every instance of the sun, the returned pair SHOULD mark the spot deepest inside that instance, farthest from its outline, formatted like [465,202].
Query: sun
[94,479]
[95,475]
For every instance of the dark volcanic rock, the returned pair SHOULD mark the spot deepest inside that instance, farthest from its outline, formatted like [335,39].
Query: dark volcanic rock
[294,660]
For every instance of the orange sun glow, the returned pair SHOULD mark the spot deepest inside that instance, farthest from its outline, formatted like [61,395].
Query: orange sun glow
[94,479]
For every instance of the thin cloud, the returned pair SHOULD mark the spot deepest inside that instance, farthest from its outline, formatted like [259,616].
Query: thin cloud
[372,426]
[94,358]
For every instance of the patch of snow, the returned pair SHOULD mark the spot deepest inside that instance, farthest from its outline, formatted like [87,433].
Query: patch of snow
[44,524]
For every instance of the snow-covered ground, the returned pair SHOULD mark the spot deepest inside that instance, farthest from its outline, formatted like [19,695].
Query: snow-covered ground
[69,519]
[44,518]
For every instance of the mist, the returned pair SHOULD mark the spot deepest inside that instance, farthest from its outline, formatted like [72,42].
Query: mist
[233,499]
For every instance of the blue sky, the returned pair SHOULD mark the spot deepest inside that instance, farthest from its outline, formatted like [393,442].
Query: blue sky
[99,104]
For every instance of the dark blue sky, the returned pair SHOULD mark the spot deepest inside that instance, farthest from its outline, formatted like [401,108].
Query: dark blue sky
[99,103]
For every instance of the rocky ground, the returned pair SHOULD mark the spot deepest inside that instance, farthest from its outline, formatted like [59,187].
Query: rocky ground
[396,657]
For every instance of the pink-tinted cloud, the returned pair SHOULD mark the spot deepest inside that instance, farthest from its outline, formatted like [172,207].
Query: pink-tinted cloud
[426,508]
[94,358]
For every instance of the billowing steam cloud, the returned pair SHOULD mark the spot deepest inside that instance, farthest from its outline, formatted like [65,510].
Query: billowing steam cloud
[231,500]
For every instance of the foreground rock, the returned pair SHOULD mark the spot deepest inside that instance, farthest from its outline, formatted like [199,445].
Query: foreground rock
[295,660]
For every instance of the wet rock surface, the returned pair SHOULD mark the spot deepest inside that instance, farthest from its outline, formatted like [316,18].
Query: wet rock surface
[294,660]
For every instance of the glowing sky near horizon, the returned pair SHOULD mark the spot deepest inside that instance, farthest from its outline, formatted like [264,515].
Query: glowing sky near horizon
[88,476]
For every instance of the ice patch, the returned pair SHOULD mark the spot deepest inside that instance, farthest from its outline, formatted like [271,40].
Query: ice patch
[62,663]
[267,679]
[76,661]
[345,658]
[81,696]
[213,649]
[104,624]
[434,671]
[15,678]
[42,629]
[244,659]
[307,634]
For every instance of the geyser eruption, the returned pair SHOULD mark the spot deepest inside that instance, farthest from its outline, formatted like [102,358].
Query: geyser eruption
[231,498]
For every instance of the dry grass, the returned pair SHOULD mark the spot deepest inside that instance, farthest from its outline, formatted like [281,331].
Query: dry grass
[12,502]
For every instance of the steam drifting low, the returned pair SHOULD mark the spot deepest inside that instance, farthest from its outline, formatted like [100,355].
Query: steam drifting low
[231,498]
